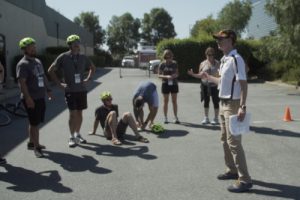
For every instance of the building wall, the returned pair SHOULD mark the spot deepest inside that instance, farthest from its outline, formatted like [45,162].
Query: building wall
[19,19]
[260,23]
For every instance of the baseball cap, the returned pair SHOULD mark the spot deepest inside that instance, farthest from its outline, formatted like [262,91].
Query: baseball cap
[227,33]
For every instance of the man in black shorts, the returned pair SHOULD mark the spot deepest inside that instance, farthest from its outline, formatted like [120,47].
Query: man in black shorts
[73,65]
[34,85]
[107,114]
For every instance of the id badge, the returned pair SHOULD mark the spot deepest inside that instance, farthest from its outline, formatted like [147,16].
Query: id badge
[41,81]
[170,82]
[77,78]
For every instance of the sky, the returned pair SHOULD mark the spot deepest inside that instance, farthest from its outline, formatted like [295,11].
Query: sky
[184,12]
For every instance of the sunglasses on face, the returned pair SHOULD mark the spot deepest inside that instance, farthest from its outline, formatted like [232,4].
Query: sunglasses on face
[210,55]
[109,99]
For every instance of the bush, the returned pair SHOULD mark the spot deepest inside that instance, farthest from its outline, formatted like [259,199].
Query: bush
[189,53]
[99,61]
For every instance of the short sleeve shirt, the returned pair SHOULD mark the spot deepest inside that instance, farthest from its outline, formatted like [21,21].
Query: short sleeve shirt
[31,69]
[168,69]
[211,69]
[146,89]
[102,112]
[228,70]
[72,65]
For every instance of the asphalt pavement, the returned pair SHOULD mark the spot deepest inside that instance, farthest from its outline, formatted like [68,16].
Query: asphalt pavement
[180,164]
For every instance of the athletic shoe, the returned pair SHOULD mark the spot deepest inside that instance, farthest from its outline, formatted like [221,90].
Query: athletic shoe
[239,186]
[79,139]
[166,120]
[215,121]
[72,142]
[2,161]
[30,146]
[38,153]
[205,121]
[227,176]
[176,120]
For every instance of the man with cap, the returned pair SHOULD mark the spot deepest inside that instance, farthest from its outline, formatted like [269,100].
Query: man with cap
[34,85]
[233,93]
[73,65]
[145,93]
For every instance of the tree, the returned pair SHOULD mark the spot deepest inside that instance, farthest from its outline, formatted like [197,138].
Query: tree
[286,14]
[235,15]
[90,21]
[157,25]
[206,26]
[123,34]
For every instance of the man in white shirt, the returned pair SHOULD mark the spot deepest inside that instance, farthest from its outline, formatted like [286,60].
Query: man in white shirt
[233,93]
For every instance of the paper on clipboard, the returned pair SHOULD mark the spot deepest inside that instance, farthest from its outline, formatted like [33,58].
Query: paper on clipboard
[237,127]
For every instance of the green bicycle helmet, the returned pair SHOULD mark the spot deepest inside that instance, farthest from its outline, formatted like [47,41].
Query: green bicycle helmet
[72,38]
[25,42]
[157,128]
[105,95]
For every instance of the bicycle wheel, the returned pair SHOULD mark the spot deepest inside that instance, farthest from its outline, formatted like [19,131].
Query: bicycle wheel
[16,109]
[20,111]
[4,119]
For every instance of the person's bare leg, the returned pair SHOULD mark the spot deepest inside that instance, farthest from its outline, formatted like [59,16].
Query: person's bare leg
[112,123]
[72,122]
[174,102]
[128,119]
[78,120]
[166,102]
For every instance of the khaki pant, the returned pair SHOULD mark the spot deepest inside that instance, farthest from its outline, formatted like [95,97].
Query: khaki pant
[235,159]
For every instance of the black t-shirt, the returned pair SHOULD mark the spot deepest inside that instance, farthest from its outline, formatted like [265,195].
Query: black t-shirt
[102,112]
[168,69]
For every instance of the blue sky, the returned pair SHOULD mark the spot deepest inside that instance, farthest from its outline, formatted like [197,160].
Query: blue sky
[184,12]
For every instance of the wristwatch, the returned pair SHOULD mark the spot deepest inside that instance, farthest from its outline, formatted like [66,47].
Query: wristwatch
[243,107]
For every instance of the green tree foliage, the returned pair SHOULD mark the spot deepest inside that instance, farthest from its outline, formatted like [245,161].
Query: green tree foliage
[286,14]
[90,21]
[123,34]
[203,27]
[235,15]
[157,25]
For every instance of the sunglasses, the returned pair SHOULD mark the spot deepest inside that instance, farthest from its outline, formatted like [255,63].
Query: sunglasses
[109,99]
[210,54]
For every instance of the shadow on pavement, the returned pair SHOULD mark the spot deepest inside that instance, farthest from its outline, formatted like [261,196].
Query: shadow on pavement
[277,190]
[119,151]
[24,180]
[208,127]
[277,132]
[73,163]
[15,133]
[173,133]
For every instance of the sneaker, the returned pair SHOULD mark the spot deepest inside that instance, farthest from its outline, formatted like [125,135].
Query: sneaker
[38,153]
[239,186]
[205,121]
[2,161]
[166,120]
[227,176]
[215,121]
[72,142]
[30,146]
[176,120]
[80,139]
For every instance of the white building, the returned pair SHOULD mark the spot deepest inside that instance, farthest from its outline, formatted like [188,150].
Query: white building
[260,23]
[33,18]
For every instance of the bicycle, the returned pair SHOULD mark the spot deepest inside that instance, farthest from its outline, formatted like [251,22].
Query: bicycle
[16,109]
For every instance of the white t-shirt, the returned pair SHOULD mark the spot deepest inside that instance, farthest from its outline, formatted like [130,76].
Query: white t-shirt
[227,71]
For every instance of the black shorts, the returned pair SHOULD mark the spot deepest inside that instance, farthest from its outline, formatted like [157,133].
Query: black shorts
[121,129]
[166,89]
[36,115]
[76,100]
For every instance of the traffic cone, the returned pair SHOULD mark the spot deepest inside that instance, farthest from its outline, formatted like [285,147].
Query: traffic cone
[287,115]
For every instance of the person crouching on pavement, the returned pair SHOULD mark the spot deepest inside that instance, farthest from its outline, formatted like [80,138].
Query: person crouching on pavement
[107,114]
[34,85]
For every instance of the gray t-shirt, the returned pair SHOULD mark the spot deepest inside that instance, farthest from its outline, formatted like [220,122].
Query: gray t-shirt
[211,69]
[32,70]
[73,68]
[145,89]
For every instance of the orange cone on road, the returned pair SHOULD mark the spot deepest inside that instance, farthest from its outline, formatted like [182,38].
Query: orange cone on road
[287,115]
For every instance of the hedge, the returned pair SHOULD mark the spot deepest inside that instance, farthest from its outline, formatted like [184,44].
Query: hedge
[189,53]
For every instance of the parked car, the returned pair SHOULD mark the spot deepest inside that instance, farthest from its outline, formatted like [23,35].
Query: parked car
[128,61]
[153,66]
